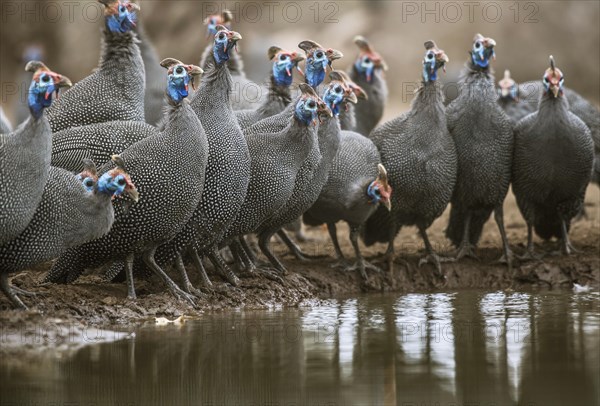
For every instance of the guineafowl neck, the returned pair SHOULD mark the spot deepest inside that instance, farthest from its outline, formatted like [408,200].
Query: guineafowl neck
[347,117]
[279,93]
[553,109]
[215,89]
[119,50]
[429,100]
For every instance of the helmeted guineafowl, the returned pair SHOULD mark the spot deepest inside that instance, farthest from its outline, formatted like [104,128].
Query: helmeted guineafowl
[169,171]
[484,144]
[228,167]
[284,63]
[115,91]
[97,142]
[420,157]
[356,186]
[312,176]
[514,106]
[553,159]
[5,126]
[74,209]
[25,155]
[368,73]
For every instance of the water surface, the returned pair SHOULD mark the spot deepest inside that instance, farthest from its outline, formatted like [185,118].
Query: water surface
[480,348]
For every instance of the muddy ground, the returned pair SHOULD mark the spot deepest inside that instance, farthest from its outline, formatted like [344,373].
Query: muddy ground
[61,312]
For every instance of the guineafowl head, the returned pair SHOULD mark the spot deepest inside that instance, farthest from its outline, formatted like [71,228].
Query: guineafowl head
[225,41]
[117,182]
[284,62]
[309,106]
[44,84]
[483,51]
[179,77]
[434,59]
[380,191]
[120,15]
[553,80]
[508,87]
[317,61]
[89,176]
[213,21]
[338,92]
[368,60]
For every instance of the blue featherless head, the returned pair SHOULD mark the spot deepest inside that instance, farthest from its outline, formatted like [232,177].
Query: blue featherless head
[309,106]
[483,51]
[434,59]
[44,84]
[284,63]
[213,21]
[120,15]
[117,182]
[317,61]
[225,42]
[338,92]
[368,60]
[553,80]
[179,77]
[508,87]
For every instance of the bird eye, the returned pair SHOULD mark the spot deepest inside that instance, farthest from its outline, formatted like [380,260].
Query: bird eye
[221,36]
[88,182]
[338,89]
[45,78]
[377,192]
[179,70]
[311,104]
[367,60]
[122,9]
[477,45]
[282,58]
[319,54]
[430,56]
[121,182]
[545,79]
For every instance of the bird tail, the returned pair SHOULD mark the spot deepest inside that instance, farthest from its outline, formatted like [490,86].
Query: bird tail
[378,227]
[456,224]
[547,224]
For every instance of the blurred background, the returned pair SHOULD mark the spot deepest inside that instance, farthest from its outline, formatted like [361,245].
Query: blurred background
[68,32]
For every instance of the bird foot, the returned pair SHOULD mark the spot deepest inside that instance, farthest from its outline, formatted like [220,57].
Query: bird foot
[506,260]
[530,255]
[190,289]
[340,264]
[24,292]
[466,250]
[183,296]
[565,249]
[436,261]
[361,267]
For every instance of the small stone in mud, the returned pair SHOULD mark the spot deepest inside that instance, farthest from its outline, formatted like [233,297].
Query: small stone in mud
[109,300]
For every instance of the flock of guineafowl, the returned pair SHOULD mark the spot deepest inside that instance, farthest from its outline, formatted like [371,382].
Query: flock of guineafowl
[113,176]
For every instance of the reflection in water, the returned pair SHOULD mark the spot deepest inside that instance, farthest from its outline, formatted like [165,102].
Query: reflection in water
[423,349]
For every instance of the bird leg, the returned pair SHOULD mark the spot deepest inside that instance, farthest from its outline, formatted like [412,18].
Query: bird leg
[507,255]
[9,292]
[295,249]
[247,249]
[197,261]
[185,280]
[341,261]
[243,261]
[432,257]
[530,255]
[466,249]
[129,276]
[264,244]
[361,264]
[220,265]
[148,257]
[566,246]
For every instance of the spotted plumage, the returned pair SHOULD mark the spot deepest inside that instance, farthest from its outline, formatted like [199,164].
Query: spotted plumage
[25,155]
[5,126]
[114,91]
